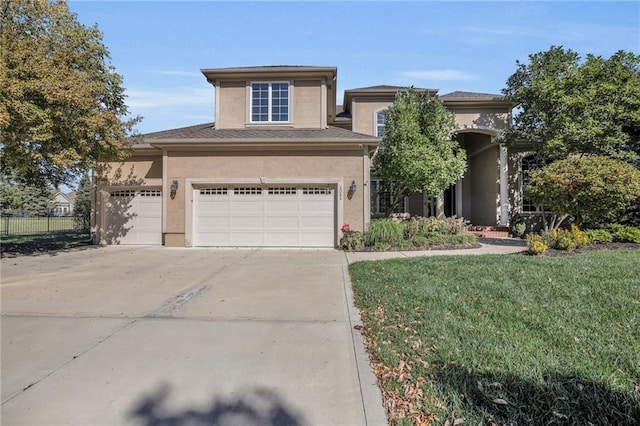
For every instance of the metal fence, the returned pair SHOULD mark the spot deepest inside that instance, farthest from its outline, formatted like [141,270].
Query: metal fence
[29,225]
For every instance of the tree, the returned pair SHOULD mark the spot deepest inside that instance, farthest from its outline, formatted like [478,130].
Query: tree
[16,198]
[418,152]
[567,106]
[82,205]
[589,189]
[61,101]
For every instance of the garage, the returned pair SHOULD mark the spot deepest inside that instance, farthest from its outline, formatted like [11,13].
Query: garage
[264,216]
[134,217]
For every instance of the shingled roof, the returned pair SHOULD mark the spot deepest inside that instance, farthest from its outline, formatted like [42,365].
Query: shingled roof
[471,96]
[208,132]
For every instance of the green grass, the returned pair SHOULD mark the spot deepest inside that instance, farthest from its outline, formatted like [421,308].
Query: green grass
[505,339]
[35,225]
[38,243]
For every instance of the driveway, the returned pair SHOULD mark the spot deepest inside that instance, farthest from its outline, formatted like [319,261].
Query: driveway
[161,336]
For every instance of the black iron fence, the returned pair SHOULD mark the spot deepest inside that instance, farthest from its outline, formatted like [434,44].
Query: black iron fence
[35,224]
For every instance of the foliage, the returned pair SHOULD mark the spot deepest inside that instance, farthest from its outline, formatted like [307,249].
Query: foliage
[517,225]
[536,244]
[567,239]
[17,198]
[82,207]
[352,241]
[625,234]
[61,101]
[418,152]
[598,236]
[569,106]
[588,189]
[432,226]
[384,232]
[508,340]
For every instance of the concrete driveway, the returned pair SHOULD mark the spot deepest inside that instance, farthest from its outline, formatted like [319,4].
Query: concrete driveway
[160,336]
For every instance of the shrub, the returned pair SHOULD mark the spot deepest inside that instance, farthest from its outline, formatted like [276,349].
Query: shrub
[517,226]
[567,239]
[419,241]
[452,225]
[352,241]
[536,244]
[625,234]
[598,236]
[589,188]
[384,232]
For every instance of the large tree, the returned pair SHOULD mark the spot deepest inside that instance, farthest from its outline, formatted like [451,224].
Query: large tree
[418,152]
[61,102]
[566,105]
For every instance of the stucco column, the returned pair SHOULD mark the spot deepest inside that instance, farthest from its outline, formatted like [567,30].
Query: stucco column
[504,186]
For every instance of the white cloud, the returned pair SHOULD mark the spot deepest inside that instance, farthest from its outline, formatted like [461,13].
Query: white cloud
[185,96]
[440,75]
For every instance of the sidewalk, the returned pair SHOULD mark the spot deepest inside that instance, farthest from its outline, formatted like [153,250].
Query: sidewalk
[488,246]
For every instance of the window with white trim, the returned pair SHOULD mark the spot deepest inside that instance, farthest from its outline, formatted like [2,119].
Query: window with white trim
[270,102]
[381,121]
[527,165]
[381,199]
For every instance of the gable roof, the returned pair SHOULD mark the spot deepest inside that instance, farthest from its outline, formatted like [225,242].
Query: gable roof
[387,88]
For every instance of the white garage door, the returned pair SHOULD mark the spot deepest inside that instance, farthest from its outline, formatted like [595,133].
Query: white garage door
[283,216]
[134,217]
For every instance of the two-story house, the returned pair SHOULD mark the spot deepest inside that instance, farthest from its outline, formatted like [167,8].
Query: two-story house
[283,165]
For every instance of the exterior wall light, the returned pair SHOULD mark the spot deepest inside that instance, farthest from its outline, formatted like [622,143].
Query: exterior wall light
[174,189]
[352,189]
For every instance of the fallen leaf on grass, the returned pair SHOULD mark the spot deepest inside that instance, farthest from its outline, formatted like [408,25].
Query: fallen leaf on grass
[500,401]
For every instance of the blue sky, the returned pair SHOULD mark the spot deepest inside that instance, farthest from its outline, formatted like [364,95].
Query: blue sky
[159,47]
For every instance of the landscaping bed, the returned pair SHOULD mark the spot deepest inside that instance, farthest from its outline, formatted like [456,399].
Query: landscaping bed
[505,340]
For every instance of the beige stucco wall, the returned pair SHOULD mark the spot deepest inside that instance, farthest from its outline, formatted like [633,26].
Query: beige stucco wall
[307,104]
[363,114]
[481,118]
[236,166]
[231,111]
[134,171]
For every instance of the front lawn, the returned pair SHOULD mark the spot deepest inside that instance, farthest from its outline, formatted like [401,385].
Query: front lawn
[505,339]
[39,243]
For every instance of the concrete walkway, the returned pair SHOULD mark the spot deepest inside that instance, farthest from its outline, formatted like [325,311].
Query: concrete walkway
[488,246]
[152,336]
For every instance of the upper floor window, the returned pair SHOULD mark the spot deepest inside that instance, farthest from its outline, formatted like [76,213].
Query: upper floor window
[270,102]
[381,121]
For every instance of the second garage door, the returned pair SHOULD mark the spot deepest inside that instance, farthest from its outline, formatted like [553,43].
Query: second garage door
[282,216]
[134,217]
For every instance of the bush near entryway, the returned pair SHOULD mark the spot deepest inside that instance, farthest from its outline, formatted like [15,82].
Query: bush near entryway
[410,233]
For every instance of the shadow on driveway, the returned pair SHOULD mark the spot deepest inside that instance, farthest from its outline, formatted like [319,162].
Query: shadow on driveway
[256,407]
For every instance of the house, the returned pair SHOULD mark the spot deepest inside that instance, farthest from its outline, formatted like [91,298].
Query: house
[63,203]
[282,164]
